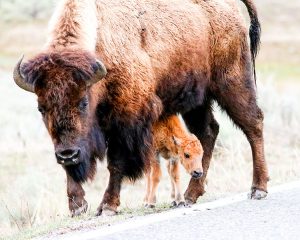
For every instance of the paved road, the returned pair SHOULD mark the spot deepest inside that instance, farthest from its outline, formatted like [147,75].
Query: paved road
[277,217]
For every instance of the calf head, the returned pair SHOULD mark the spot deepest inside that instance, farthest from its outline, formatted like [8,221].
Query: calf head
[190,152]
[61,81]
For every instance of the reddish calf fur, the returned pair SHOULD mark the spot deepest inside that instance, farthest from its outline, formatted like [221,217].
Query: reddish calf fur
[162,58]
[175,144]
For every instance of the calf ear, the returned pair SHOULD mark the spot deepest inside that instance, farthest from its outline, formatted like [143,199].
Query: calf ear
[177,140]
[194,137]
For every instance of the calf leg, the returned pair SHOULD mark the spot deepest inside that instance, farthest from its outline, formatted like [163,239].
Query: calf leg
[175,176]
[172,183]
[201,122]
[155,176]
[75,192]
[148,187]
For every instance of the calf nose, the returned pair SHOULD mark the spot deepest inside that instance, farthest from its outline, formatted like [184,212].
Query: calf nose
[68,157]
[197,174]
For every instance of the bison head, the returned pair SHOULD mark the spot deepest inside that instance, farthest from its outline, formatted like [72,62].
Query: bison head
[62,81]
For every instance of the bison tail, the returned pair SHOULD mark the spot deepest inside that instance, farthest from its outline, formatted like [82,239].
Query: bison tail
[254,31]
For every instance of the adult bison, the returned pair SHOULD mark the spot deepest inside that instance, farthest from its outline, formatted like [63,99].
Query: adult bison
[162,57]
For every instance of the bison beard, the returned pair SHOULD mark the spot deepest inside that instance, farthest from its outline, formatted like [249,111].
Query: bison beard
[91,150]
[80,171]
[129,149]
[129,145]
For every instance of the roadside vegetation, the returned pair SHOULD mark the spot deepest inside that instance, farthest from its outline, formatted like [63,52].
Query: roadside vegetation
[33,187]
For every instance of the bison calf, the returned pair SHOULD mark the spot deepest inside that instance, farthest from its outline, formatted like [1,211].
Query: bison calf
[175,144]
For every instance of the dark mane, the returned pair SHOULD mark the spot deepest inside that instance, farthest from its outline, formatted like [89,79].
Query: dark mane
[81,64]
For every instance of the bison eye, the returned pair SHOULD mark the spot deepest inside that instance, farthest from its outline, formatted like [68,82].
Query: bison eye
[42,110]
[83,104]
[186,155]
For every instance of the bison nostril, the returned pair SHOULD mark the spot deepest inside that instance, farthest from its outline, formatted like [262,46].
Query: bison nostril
[68,156]
[196,174]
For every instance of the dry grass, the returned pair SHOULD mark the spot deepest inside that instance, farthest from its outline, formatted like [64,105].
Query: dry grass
[33,188]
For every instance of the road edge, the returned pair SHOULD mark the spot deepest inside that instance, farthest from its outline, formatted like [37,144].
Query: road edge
[158,217]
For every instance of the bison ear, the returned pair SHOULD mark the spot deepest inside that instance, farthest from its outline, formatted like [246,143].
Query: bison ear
[20,79]
[100,72]
[177,141]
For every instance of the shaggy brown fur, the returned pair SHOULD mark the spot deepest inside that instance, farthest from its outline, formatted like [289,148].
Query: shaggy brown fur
[175,144]
[68,112]
[162,57]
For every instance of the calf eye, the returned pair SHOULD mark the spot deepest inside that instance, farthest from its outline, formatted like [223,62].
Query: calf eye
[186,155]
[83,104]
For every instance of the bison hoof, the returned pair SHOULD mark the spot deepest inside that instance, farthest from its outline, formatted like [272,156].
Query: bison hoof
[80,210]
[189,203]
[106,211]
[257,194]
[149,205]
[181,204]
[174,204]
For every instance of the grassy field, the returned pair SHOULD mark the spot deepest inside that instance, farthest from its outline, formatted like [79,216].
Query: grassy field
[33,187]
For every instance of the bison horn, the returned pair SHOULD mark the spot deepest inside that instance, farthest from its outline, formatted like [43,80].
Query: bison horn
[19,79]
[100,73]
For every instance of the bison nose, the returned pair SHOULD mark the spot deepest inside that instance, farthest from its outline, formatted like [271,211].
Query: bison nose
[68,157]
[197,174]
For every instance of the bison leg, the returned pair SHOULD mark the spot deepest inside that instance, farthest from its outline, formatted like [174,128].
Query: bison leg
[202,123]
[239,100]
[77,203]
[111,198]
